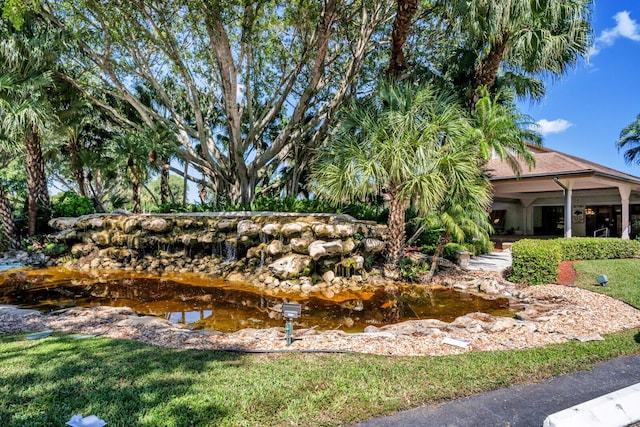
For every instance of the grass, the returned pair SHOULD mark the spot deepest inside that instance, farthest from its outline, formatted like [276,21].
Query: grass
[45,382]
[623,275]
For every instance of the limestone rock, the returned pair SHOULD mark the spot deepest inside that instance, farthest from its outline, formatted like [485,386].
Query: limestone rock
[271,229]
[300,245]
[206,238]
[157,225]
[491,287]
[320,248]
[275,247]
[63,223]
[373,245]
[248,228]
[101,238]
[328,276]
[130,224]
[65,235]
[292,228]
[289,266]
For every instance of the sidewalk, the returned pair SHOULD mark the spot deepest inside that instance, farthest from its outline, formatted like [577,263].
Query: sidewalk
[521,405]
[495,261]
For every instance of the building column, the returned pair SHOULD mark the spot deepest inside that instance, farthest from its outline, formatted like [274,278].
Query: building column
[526,202]
[625,193]
[567,205]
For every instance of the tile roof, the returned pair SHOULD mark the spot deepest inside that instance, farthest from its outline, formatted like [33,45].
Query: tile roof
[554,163]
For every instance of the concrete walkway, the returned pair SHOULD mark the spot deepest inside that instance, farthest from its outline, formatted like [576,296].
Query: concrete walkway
[522,405]
[495,261]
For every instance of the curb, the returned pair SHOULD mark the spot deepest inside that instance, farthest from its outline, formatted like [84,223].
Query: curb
[619,408]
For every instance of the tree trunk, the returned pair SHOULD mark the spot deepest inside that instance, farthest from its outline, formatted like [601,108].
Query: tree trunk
[401,26]
[396,224]
[8,232]
[442,242]
[165,191]
[38,198]
[76,166]
[185,183]
[487,71]
[135,187]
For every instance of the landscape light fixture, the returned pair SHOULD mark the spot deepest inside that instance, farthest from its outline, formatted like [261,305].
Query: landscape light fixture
[602,279]
[290,311]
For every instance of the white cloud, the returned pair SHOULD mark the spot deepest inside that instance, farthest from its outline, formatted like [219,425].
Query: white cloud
[545,127]
[625,27]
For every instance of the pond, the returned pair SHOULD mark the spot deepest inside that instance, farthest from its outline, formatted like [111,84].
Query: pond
[209,303]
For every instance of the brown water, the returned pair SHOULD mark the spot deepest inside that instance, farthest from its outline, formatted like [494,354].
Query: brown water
[224,306]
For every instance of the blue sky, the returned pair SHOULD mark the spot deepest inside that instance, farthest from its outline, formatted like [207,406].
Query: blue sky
[584,111]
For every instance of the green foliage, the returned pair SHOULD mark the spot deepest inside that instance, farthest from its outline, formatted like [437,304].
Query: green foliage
[15,10]
[70,204]
[579,248]
[535,262]
[54,249]
[450,251]
[412,270]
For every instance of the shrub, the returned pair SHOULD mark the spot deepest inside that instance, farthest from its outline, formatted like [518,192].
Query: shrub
[451,251]
[70,204]
[535,261]
[587,248]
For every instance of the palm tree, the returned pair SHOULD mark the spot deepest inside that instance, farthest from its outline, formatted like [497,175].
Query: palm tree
[27,78]
[8,232]
[394,143]
[525,36]
[502,130]
[630,140]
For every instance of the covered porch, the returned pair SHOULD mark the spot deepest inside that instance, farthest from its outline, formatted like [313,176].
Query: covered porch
[564,196]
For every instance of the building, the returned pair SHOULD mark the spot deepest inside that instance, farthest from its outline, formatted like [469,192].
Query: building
[560,190]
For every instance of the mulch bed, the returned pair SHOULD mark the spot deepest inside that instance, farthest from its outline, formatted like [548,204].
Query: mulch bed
[567,273]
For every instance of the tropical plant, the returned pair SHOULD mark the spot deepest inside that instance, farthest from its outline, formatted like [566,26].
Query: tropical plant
[630,141]
[520,36]
[26,79]
[395,143]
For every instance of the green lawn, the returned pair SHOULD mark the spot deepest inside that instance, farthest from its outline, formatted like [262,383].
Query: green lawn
[623,275]
[43,383]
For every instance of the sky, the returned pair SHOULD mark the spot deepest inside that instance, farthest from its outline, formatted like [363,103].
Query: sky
[584,110]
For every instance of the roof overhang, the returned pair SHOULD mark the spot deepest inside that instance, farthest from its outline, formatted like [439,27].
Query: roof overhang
[576,180]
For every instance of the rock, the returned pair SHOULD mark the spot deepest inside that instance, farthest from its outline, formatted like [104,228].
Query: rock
[348,246]
[275,247]
[38,259]
[226,224]
[236,276]
[248,228]
[491,287]
[271,229]
[63,223]
[205,238]
[292,228]
[373,245]
[300,245]
[320,248]
[289,266]
[325,230]
[130,224]
[82,249]
[157,225]
[328,276]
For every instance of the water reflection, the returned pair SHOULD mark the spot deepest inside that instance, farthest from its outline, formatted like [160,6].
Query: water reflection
[214,304]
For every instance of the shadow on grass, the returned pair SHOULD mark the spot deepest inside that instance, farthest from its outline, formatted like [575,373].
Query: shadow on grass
[637,337]
[125,383]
